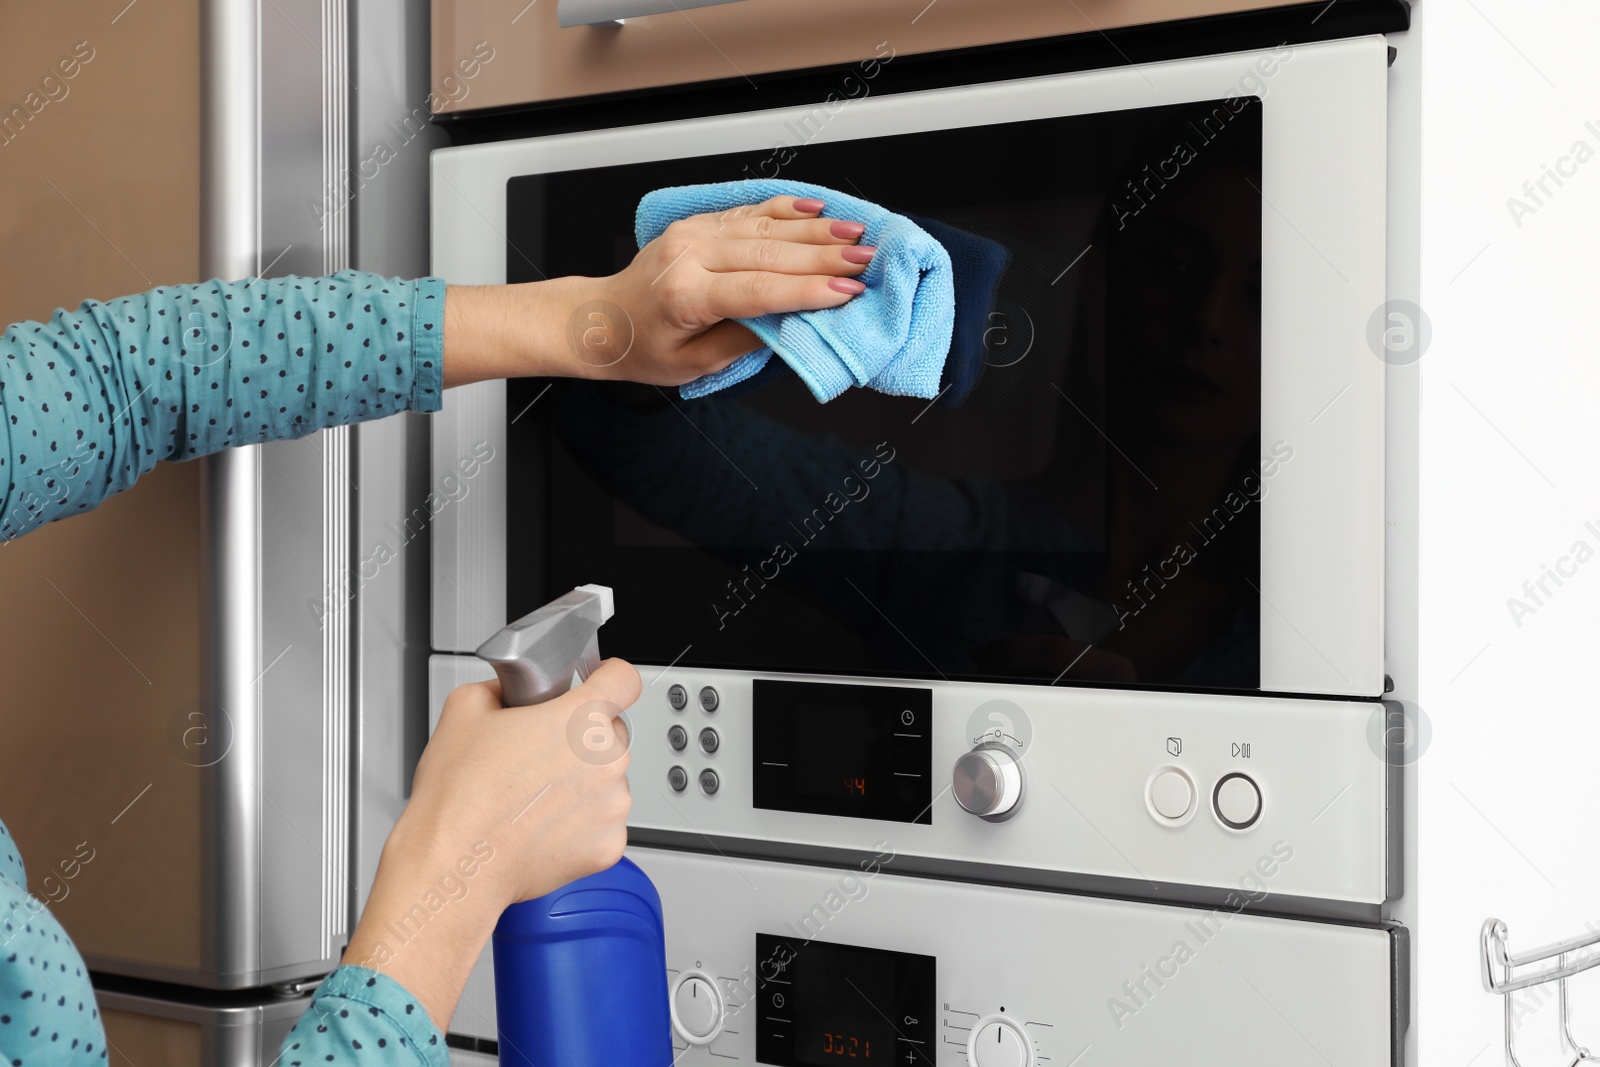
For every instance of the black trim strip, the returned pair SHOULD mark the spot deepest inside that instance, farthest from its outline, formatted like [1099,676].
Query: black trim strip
[472,1044]
[193,996]
[1243,31]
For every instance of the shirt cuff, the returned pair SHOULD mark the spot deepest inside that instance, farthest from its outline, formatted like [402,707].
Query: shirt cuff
[427,345]
[385,998]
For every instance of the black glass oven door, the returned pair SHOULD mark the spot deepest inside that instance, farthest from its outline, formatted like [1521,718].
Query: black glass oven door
[1081,503]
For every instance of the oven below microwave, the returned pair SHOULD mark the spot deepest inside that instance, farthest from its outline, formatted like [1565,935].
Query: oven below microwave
[1158,464]
[785,964]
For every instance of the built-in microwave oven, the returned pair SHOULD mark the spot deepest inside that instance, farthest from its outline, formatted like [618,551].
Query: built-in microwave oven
[1106,613]
[1156,461]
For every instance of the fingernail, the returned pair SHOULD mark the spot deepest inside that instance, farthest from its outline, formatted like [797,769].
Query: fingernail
[808,204]
[848,286]
[858,253]
[852,230]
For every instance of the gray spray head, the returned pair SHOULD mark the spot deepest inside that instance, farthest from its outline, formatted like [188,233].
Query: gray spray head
[537,655]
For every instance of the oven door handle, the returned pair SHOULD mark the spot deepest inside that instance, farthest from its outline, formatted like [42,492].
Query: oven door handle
[604,12]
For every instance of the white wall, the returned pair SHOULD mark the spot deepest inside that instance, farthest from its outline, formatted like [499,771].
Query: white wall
[1509,475]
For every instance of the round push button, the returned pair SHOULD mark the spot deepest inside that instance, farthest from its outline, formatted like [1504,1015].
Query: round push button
[1172,794]
[678,738]
[678,779]
[678,697]
[1237,799]
[709,699]
[709,742]
[709,782]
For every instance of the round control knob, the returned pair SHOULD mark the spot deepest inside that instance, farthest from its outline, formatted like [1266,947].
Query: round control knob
[697,1008]
[997,1041]
[988,782]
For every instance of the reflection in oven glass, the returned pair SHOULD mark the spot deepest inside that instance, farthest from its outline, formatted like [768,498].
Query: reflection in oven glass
[1082,502]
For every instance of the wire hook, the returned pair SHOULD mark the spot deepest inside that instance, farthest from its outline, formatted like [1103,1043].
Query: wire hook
[1499,969]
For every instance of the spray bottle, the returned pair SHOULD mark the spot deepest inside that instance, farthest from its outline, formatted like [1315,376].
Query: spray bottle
[580,974]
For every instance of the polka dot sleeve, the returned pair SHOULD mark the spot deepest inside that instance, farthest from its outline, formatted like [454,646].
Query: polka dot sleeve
[47,1010]
[96,397]
[48,1015]
[359,1016]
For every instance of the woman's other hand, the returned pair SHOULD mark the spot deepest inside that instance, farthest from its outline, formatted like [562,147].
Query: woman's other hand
[666,318]
[546,786]
[507,804]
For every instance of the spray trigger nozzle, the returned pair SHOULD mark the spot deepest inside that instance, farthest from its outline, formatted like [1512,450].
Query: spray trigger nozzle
[537,655]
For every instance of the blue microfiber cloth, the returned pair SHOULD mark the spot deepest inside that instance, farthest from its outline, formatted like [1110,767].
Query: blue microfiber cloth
[893,337]
[978,264]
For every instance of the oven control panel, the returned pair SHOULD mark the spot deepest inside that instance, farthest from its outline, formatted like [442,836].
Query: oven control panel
[1129,792]
[790,965]
[782,963]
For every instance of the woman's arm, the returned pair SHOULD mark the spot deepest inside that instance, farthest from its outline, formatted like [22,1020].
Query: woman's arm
[94,398]
[504,808]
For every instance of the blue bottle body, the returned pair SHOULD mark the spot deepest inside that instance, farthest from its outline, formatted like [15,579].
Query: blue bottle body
[580,976]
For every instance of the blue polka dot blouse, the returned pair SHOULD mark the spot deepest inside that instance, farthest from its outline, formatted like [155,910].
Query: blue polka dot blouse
[96,397]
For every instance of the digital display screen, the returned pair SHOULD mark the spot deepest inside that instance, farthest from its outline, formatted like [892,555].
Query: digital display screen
[824,1004]
[857,751]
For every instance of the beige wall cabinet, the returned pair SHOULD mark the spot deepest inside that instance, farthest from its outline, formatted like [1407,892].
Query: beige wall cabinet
[532,59]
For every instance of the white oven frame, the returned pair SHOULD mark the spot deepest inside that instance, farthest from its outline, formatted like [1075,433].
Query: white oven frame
[1323,252]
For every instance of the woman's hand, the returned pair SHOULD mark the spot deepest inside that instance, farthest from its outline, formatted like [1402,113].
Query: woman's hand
[508,804]
[673,305]
[665,318]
